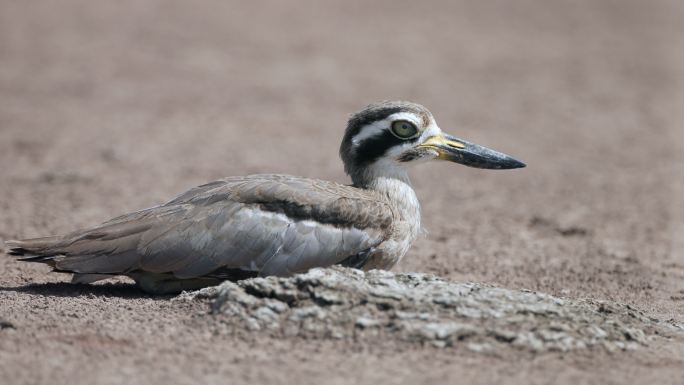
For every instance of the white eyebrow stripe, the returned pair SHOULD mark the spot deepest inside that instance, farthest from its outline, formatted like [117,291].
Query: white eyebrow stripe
[411,117]
[368,131]
[379,126]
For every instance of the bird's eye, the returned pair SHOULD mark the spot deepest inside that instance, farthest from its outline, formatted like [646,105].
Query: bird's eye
[404,129]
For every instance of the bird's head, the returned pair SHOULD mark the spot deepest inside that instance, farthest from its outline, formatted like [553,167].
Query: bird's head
[384,138]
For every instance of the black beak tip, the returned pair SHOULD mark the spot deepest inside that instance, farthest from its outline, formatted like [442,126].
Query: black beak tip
[514,163]
[506,163]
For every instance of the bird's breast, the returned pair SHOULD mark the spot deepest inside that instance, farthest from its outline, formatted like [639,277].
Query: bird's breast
[404,228]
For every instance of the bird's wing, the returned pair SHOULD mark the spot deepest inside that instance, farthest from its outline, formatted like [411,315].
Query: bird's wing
[277,225]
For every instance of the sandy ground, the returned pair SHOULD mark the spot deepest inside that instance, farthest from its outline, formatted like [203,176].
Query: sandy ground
[111,107]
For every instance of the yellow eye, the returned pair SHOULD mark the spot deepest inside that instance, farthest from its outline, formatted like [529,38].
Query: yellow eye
[404,129]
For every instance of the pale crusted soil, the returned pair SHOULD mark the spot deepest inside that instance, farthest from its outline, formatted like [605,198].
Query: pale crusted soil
[379,306]
[110,107]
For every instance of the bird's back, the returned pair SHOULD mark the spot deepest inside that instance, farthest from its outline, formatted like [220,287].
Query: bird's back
[266,224]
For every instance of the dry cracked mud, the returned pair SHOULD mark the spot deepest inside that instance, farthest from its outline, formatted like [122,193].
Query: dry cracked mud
[342,303]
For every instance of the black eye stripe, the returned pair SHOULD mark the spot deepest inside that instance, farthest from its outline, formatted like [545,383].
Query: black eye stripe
[374,147]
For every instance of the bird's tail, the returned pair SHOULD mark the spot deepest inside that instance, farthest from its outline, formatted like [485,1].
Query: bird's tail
[36,249]
[48,250]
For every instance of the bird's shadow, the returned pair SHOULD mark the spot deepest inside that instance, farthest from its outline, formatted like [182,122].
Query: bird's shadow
[65,289]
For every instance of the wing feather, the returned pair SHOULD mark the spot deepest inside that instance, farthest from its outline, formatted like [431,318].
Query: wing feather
[272,224]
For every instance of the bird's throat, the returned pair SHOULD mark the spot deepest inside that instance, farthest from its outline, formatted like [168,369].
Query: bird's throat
[392,182]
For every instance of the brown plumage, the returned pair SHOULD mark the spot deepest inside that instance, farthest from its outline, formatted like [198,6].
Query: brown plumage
[188,238]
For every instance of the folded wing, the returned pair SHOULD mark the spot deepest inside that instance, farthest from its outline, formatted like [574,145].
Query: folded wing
[271,224]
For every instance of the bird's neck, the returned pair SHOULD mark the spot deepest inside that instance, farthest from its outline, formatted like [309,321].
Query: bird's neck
[378,175]
[396,187]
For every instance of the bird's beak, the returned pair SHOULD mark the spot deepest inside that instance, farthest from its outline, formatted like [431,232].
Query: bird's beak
[469,154]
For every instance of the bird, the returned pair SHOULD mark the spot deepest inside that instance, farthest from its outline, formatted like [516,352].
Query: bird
[272,224]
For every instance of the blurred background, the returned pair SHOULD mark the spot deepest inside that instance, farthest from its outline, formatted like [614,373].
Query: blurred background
[108,107]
